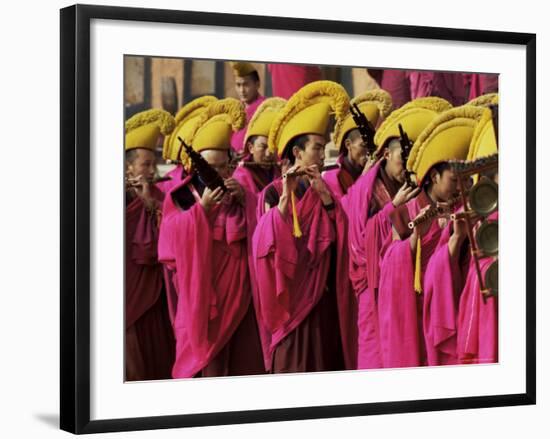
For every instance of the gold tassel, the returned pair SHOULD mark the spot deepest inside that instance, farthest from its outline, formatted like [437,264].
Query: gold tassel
[296,225]
[418,267]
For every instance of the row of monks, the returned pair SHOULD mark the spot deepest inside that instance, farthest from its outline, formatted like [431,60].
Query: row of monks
[292,268]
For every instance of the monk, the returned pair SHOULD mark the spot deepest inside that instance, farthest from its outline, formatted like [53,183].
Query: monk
[149,340]
[355,157]
[287,79]
[215,324]
[247,86]
[374,197]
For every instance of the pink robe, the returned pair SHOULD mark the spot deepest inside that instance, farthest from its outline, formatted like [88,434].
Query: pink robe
[175,179]
[477,319]
[400,308]
[214,322]
[251,180]
[292,284]
[443,284]
[481,84]
[287,79]
[449,86]
[339,181]
[237,139]
[368,233]
[149,340]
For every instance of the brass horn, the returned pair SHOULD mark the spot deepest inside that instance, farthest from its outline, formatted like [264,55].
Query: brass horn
[491,278]
[483,197]
[487,238]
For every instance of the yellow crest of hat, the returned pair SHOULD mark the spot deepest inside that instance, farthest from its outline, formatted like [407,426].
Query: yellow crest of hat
[213,128]
[447,137]
[414,116]
[374,104]
[263,118]
[241,69]
[142,129]
[308,111]
[183,119]
[485,100]
[484,142]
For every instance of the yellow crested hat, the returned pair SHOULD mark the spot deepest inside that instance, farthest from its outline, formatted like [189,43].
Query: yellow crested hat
[485,100]
[484,142]
[241,69]
[308,111]
[374,104]
[447,137]
[414,116]
[263,118]
[142,129]
[183,119]
[213,128]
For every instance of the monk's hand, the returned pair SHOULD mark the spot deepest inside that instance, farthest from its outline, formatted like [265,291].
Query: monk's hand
[211,197]
[235,189]
[371,161]
[142,187]
[318,184]
[404,194]
[421,229]
[290,182]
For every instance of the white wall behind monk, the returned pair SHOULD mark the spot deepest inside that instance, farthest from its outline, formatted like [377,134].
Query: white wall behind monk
[29,247]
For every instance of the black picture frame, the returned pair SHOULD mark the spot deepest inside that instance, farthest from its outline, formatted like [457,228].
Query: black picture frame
[75,217]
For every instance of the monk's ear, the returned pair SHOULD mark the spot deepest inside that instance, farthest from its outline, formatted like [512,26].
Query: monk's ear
[347,144]
[249,146]
[296,151]
[386,153]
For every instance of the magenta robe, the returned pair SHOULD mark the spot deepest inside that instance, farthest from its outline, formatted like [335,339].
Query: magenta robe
[149,340]
[287,79]
[252,180]
[449,86]
[477,319]
[400,308]
[237,139]
[175,178]
[292,273]
[209,254]
[367,235]
[443,284]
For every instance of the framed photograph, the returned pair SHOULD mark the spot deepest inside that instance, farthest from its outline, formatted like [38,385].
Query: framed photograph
[125,69]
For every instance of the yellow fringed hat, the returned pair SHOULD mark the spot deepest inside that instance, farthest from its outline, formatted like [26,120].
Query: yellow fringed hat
[484,142]
[241,69]
[484,100]
[263,118]
[183,119]
[308,111]
[374,104]
[414,116]
[446,138]
[213,127]
[142,129]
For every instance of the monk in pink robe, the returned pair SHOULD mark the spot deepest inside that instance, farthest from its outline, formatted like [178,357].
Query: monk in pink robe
[149,340]
[287,79]
[395,82]
[305,301]
[400,307]
[481,83]
[340,179]
[205,241]
[371,201]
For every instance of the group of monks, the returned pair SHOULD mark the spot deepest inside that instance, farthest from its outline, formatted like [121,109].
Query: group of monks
[290,267]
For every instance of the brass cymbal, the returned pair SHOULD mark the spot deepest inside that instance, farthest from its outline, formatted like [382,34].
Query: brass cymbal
[491,278]
[483,197]
[487,238]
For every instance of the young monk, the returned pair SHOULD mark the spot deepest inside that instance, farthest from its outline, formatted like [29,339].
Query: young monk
[215,326]
[299,245]
[259,166]
[149,340]
[403,268]
[370,202]
[354,152]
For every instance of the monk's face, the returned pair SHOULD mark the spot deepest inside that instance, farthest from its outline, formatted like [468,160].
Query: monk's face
[258,150]
[219,160]
[141,162]
[395,168]
[247,88]
[313,153]
[357,151]
[445,184]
